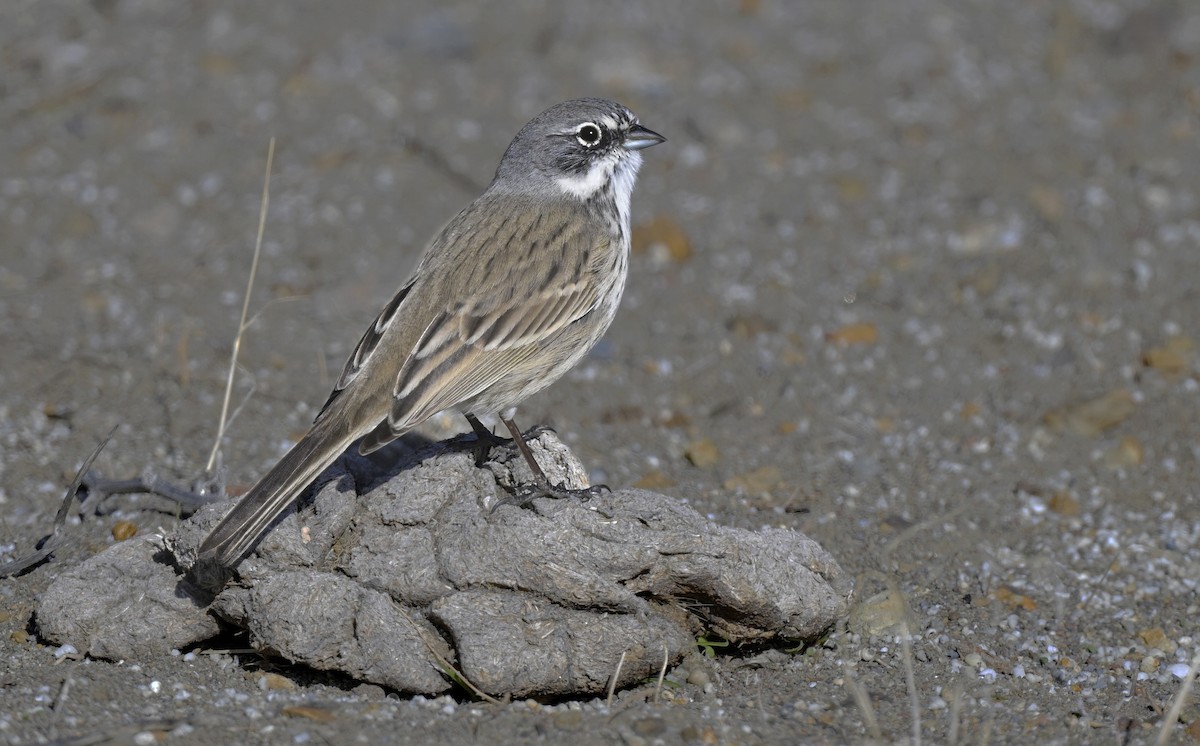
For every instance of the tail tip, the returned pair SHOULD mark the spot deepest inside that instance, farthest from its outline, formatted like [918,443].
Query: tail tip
[208,573]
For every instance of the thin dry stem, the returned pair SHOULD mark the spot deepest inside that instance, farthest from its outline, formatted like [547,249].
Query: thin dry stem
[910,679]
[237,340]
[58,534]
[863,700]
[446,665]
[1181,696]
[612,683]
[61,700]
[662,673]
[985,735]
[955,715]
[932,522]
[1094,589]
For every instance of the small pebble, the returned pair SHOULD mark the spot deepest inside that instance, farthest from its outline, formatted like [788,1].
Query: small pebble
[275,682]
[64,650]
[123,530]
[652,726]
[1179,670]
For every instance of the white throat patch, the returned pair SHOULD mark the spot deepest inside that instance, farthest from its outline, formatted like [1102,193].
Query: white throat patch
[622,170]
[585,187]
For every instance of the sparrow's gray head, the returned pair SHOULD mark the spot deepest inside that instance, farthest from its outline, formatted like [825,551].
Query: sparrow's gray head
[579,148]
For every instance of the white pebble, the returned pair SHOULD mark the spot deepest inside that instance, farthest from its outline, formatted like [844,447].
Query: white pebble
[1178,670]
[62,650]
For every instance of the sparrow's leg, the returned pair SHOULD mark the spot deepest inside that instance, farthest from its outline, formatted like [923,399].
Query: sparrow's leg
[541,486]
[485,440]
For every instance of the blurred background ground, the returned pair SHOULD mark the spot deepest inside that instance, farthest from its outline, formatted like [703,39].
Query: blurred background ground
[916,278]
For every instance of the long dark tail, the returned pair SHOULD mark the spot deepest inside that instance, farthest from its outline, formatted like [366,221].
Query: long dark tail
[241,527]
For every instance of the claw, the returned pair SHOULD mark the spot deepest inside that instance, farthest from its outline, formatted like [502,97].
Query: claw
[527,493]
[485,441]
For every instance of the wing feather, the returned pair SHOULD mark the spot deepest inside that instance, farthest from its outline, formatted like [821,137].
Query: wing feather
[368,344]
[471,347]
[527,285]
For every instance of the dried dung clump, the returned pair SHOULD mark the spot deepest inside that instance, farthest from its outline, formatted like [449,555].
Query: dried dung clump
[393,577]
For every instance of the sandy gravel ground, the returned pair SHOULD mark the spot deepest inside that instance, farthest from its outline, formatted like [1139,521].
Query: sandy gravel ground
[920,279]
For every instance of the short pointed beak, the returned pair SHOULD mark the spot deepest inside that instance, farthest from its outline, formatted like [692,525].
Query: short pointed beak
[639,138]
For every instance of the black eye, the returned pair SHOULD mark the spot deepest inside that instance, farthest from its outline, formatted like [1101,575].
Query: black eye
[588,135]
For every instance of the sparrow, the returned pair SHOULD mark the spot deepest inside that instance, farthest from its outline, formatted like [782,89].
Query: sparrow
[508,297]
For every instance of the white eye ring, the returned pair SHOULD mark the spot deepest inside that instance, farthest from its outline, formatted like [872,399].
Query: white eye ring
[588,135]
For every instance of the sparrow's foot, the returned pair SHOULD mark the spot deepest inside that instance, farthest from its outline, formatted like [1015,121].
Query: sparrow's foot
[562,492]
[485,441]
[524,494]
